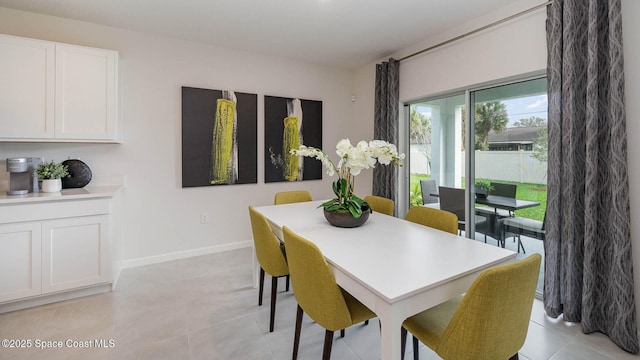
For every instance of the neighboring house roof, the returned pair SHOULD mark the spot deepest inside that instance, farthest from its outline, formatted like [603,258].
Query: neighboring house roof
[520,135]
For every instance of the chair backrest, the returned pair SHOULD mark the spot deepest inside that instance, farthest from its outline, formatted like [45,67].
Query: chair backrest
[295,196]
[437,219]
[428,187]
[380,204]
[268,250]
[502,189]
[314,285]
[492,319]
[452,200]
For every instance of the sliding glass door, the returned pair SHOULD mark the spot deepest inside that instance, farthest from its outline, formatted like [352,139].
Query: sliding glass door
[436,144]
[488,141]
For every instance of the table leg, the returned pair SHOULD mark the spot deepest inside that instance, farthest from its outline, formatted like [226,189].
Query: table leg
[391,319]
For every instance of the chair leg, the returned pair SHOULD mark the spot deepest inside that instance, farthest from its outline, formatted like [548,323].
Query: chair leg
[274,290]
[261,287]
[514,357]
[416,353]
[520,245]
[328,342]
[296,336]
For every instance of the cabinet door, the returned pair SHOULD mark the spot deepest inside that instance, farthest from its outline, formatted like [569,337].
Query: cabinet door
[26,88]
[86,99]
[75,253]
[20,260]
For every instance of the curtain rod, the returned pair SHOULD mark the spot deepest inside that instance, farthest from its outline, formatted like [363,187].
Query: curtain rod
[477,30]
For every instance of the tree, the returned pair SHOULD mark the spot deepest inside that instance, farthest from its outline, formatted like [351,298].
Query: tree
[488,116]
[533,121]
[540,145]
[420,132]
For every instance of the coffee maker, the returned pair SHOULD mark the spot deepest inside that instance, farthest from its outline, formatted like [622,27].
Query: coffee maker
[23,175]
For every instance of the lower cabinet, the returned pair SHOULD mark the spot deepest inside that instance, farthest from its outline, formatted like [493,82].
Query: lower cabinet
[54,255]
[20,260]
[74,253]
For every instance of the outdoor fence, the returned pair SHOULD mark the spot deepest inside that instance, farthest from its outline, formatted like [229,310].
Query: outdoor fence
[516,166]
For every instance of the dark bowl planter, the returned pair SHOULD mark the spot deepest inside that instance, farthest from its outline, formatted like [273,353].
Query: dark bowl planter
[481,192]
[345,219]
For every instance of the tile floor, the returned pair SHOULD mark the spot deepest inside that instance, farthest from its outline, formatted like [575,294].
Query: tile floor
[206,308]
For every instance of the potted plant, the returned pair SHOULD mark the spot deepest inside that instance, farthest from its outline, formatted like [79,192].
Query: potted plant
[51,174]
[482,188]
[353,159]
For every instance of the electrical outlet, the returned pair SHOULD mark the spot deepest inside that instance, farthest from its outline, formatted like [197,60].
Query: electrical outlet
[204,218]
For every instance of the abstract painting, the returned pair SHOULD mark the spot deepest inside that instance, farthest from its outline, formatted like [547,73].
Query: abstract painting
[219,137]
[289,123]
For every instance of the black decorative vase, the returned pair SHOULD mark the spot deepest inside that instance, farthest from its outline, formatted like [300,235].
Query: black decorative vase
[79,174]
[345,219]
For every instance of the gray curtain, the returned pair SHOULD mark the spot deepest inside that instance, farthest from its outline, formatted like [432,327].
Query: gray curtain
[588,266]
[386,124]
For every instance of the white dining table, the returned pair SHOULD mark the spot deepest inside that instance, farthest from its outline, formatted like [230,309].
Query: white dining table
[395,267]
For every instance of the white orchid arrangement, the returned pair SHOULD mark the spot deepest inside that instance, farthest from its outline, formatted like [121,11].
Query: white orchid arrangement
[353,159]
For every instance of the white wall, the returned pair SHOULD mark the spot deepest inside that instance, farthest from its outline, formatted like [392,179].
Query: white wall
[162,220]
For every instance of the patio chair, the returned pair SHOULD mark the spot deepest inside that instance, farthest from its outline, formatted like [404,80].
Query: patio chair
[519,226]
[452,200]
[504,190]
[428,187]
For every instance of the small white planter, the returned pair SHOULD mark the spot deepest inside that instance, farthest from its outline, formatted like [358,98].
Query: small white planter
[51,185]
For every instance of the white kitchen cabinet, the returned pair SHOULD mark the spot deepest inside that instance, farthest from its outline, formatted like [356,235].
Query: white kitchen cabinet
[85,95]
[26,88]
[56,246]
[75,253]
[20,260]
[53,92]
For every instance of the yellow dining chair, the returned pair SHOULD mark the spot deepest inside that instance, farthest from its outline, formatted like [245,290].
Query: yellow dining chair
[317,292]
[295,196]
[380,204]
[437,219]
[271,257]
[489,322]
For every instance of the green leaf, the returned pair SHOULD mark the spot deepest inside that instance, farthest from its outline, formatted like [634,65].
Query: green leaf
[354,209]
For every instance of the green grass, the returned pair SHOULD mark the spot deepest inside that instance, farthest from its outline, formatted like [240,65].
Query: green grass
[526,191]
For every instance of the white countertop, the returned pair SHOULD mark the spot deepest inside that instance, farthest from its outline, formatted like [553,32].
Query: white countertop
[66,194]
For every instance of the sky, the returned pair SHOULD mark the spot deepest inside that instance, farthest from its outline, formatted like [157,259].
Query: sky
[526,107]
[517,109]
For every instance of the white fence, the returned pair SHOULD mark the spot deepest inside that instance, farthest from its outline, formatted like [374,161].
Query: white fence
[517,166]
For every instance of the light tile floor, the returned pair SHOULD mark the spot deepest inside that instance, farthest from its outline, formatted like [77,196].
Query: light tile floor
[206,308]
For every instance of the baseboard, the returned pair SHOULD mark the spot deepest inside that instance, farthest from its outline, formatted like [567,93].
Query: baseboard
[185,254]
[52,298]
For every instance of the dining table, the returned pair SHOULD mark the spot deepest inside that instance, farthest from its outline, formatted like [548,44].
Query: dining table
[492,226]
[394,267]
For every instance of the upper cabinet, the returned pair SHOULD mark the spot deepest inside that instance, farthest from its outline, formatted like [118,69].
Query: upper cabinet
[52,92]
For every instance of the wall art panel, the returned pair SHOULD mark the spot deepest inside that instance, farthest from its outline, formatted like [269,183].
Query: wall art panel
[289,123]
[219,137]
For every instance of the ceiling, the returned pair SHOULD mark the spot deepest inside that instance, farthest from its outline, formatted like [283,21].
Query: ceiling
[343,33]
